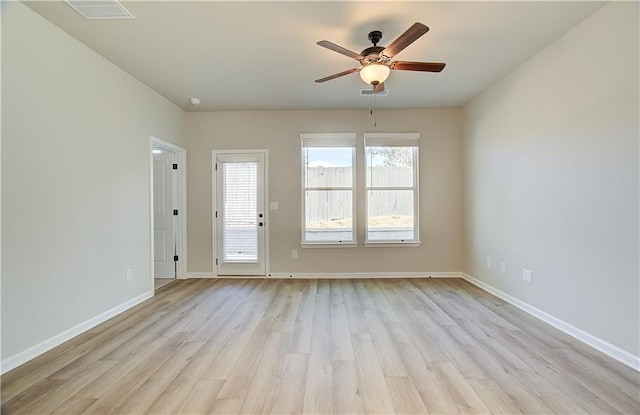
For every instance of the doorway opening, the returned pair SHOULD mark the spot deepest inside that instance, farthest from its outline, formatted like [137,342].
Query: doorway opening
[168,212]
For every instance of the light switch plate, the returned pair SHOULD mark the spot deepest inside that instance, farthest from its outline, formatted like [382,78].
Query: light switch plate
[527,275]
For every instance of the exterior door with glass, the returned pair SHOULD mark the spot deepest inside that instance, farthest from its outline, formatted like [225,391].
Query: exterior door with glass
[239,213]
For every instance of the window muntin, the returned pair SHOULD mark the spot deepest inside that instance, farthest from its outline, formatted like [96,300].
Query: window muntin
[328,189]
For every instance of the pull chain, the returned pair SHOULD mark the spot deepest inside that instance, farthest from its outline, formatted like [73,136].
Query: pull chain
[373,111]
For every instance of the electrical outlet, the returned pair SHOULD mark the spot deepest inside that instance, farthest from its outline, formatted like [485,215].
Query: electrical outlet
[527,275]
[488,262]
[503,268]
[294,254]
[129,274]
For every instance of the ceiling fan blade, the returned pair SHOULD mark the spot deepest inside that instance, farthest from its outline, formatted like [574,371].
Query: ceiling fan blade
[411,35]
[417,66]
[378,88]
[340,49]
[338,75]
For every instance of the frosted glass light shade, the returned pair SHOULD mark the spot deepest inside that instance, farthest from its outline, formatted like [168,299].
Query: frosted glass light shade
[374,73]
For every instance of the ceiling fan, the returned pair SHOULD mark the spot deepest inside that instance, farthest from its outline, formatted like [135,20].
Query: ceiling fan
[375,61]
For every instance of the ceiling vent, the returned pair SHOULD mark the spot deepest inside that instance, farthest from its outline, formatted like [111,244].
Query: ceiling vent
[369,92]
[100,9]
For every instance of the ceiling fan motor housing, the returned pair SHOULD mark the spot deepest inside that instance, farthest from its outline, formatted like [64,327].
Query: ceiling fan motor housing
[372,53]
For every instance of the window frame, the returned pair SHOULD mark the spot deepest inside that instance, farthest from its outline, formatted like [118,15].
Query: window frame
[394,140]
[328,140]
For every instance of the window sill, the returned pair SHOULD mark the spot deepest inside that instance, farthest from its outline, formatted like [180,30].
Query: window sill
[328,245]
[392,244]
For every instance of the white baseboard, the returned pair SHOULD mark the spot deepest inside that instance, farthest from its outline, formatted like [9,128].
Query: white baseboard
[356,275]
[343,275]
[16,360]
[201,275]
[597,343]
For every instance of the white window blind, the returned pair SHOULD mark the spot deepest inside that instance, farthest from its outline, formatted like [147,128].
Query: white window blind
[239,228]
[391,139]
[328,139]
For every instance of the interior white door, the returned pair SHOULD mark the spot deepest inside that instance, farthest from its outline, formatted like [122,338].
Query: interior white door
[163,219]
[240,214]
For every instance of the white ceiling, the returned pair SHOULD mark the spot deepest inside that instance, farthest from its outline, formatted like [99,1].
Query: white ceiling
[263,55]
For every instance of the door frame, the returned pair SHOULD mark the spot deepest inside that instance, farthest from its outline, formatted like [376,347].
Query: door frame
[179,157]
[214,200]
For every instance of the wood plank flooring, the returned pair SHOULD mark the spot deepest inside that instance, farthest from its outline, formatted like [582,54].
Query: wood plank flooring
[161,282]
[375,346]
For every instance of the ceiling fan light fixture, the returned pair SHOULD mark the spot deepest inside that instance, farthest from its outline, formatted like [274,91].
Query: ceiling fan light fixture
[374,73]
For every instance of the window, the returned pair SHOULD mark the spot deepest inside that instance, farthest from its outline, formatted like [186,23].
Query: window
[328,183]
[392,188]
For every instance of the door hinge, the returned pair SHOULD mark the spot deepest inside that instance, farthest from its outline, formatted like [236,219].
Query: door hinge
[216,261]
[175,166]
[216,213]
[175,258]
[175,212]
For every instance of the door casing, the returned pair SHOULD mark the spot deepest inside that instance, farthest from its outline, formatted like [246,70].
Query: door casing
[214,200]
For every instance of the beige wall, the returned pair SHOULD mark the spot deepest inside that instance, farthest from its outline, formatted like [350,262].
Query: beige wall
[551,179]
[75,180]
[278,131]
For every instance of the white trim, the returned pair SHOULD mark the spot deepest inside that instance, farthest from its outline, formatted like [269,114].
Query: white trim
[392,244]
[214,221]
[180,157]
[358,275]
[597,343]
[201,275]
[349,244]
[317,140]
[18,359]
[416,198]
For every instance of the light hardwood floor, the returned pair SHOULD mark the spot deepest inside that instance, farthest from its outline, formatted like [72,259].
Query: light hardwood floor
[161,282]
[411,346]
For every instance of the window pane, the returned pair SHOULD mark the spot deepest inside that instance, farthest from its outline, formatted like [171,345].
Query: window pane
[328,215]
[390,166]
[328,167]
[390,215]
[239,212]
